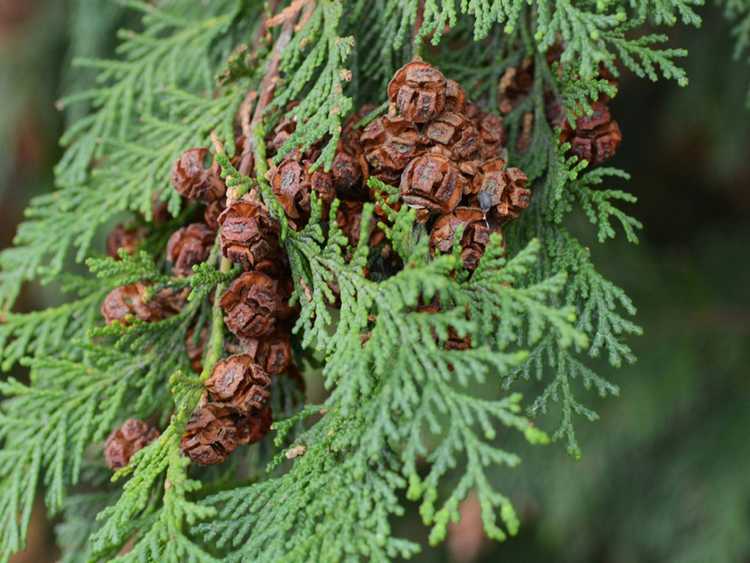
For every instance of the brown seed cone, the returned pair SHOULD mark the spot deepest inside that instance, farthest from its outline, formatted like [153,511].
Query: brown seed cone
[515,85]
[273,353]
[432,182]
[126,440]
[293,182]
[239,382]
[455,97]
[418,91]
[390,143]
[195,346]
[456,133]
[500,190]
[348,170]
[491,135]
[189,246]
[195,179]
[249,235]
[130,301]
[475,236]
[212,434]
[349,167]
[255,425]
[349,220]
[595,138]
[283,130]
[253,303]
[125,239]
[212,212]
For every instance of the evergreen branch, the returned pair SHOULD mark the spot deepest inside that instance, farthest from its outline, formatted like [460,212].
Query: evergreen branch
[129,181]
[566,368]
[640,56]
[317,71]
[172,52]
[667,12]
[47,332]
[82,400]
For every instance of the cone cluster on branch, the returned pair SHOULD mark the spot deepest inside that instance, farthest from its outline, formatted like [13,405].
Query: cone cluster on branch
[235,409]
[444,156]
[126,440]
[448,159]
[594,137]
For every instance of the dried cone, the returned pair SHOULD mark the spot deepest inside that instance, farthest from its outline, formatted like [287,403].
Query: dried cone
[515,85]
[349,167]
[253,303]
[455,97]
[349,220]
[432,182]
[194,177]
[212,212]
[189,246]
[476,234]
[239,382]
[595,138]
[122,238]
[249,235]
[273,353]
[491,135]
[501,191]
[456,133]
[255,425]
[418,91]
[293,182]
[348,170]
[390,143]
[212,434]
[125,441]
[131,301]
[282,131]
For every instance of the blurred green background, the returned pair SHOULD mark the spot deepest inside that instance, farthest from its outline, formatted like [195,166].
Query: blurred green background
[665,473]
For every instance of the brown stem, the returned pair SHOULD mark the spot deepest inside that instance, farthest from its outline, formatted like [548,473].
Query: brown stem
[418,21]
[268,84]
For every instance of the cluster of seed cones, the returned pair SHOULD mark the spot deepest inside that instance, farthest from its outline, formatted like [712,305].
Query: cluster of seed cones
[594,137]
[448,160]
[235,408]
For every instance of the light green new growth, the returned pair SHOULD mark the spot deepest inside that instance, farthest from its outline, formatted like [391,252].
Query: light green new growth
[407,417]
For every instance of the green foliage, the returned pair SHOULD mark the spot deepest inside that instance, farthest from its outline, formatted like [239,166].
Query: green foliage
[48,425]
[318,71]
[411,414]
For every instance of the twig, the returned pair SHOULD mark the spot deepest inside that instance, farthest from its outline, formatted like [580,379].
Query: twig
[216,342]
[287,14]
[418,21]
[267,85]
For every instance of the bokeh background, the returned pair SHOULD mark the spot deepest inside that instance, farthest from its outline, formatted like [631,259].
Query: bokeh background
[665,473]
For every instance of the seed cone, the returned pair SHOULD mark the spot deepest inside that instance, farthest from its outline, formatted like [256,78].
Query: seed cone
[126,440]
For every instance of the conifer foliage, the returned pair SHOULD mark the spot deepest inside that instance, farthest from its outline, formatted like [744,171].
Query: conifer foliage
[374,196]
